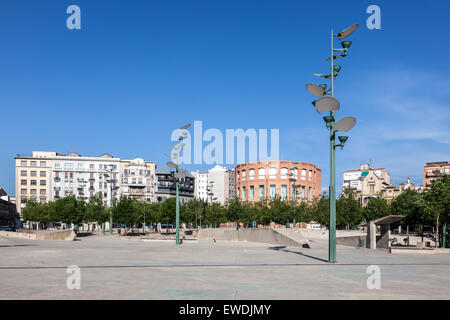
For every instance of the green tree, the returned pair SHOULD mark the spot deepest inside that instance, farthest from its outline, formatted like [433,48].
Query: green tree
[348,210]
[376,208]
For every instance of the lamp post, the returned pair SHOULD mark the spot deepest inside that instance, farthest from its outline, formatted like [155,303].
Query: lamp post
[330,104]
[175,156]
[111,181]
[81,186]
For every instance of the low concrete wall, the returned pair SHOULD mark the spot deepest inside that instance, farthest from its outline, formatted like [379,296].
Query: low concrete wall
[352,241]
[251,235]
[68,235]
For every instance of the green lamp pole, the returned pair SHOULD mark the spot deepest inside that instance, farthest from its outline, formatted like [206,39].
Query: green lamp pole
[175,157]
[329,104]
[177,183]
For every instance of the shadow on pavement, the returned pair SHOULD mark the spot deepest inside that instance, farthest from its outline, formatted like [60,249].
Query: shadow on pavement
[283,249]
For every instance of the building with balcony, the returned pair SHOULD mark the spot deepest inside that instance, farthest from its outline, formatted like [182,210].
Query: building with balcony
[262,180]
[217,183]
[138,179]
[434,170]
[48,176]
[166,187]
[201,185]
[33,178]
[370,182]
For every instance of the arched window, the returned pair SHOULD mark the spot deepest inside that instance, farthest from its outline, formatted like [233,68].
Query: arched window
[244,175]
[273,173]
[262,173]
[251,174]
[284,173]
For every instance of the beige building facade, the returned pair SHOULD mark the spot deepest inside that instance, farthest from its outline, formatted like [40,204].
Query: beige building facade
[434,170]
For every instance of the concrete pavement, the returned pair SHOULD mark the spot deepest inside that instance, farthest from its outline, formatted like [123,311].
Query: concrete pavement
[125,269]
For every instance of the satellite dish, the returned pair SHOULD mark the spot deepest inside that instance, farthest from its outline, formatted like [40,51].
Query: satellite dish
[326,104]
[315,90]
[185,126]
[172,165]
[344,34]
[326,76]
[345,124]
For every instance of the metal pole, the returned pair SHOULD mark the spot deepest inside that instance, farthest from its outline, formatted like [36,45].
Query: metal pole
[444,235]
[332,195]
[177,212]
[110,212]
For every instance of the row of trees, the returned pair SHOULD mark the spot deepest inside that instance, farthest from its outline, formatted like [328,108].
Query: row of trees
[430,207]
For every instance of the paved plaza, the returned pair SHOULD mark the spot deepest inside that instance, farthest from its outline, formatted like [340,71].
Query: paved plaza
[112,268]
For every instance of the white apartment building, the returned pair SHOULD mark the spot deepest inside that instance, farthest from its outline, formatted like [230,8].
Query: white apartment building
[138,179]
[221,182]
[84,177]
[201,184]
[48,176]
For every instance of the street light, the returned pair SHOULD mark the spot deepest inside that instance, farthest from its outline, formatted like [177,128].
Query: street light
[175,157]
[111,182]
[330,104]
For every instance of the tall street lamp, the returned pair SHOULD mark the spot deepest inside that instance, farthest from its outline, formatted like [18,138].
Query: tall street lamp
[330,104]
[175,157]
[111,182]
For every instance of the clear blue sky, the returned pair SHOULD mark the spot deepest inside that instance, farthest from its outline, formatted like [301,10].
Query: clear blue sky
[138,69]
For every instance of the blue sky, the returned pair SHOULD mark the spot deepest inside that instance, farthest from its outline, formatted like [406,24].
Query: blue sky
[138,69]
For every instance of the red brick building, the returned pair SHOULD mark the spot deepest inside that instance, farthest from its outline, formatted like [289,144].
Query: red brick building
[266,179]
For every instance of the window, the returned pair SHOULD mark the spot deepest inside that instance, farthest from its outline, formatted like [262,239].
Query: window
[272,191]
[261,173]
[295,173]
[283,192]
[294,193]
[23,200]
[42,191]
[243,194]
[284,172]
[91,166]
[23,182]
[23,163]
[33,163]
[23,191]
[33,173]
[238,175]
[33,199]
[310,175]
[23,173]
[33,183]
[125,180]
[80,165]
[71,175]
[42,164]
[43,182]
[303,192]
[309,193]
[303,174]
[42,199]
[261,192]
[141,172]
[57,166]
[133,181]
[42,174]
[252,193]
[244,175]
[272,173]
[251,174]
[33,191]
